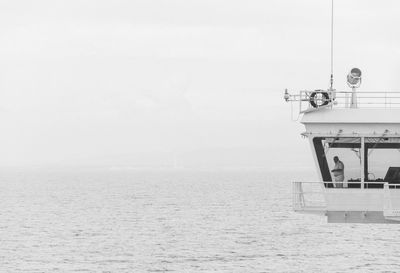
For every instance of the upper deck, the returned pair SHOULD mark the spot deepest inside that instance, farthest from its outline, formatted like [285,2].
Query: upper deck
[325,111]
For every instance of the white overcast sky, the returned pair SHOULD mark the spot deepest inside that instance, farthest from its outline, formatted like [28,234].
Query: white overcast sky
[198,83]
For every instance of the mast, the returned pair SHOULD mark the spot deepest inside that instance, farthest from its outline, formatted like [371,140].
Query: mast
[331,87]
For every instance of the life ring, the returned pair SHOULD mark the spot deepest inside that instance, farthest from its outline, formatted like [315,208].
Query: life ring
[319,98]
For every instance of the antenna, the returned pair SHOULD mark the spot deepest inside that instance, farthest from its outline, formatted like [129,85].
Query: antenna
[331,47]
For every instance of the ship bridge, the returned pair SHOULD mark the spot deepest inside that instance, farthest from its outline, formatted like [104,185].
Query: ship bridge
[363,131]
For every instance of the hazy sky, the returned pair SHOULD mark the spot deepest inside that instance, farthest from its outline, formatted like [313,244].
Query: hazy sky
[198,83]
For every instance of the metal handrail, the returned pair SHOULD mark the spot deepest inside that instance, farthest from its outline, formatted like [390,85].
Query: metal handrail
[389,211]
[393,185]
[345,182]
[341,99]
[300,202]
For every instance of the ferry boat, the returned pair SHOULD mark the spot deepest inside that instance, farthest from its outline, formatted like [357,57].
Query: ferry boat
[361,129]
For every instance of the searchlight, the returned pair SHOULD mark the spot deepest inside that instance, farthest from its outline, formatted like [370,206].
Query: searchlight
[354,81]
[354,78]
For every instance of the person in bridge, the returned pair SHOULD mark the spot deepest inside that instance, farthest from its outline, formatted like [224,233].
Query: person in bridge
[338,172]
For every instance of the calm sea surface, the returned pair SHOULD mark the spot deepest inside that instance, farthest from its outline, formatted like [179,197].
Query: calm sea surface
[184,221]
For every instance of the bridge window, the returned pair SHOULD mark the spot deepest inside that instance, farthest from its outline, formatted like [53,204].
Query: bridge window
[348,149]
[382,159]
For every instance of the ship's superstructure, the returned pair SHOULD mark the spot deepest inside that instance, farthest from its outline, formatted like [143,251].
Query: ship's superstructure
[361,129]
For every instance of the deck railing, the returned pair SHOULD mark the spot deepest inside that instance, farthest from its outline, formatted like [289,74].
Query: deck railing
[310,196]
[312,100]
[391,202]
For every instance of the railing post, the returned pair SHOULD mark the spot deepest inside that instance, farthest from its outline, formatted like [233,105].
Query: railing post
[300,101]
[387,203]
[385,99]
[362,154]
[294,195]
[353,98]
[298,197]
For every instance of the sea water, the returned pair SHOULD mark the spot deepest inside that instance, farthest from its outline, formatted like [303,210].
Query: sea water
[177,221]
